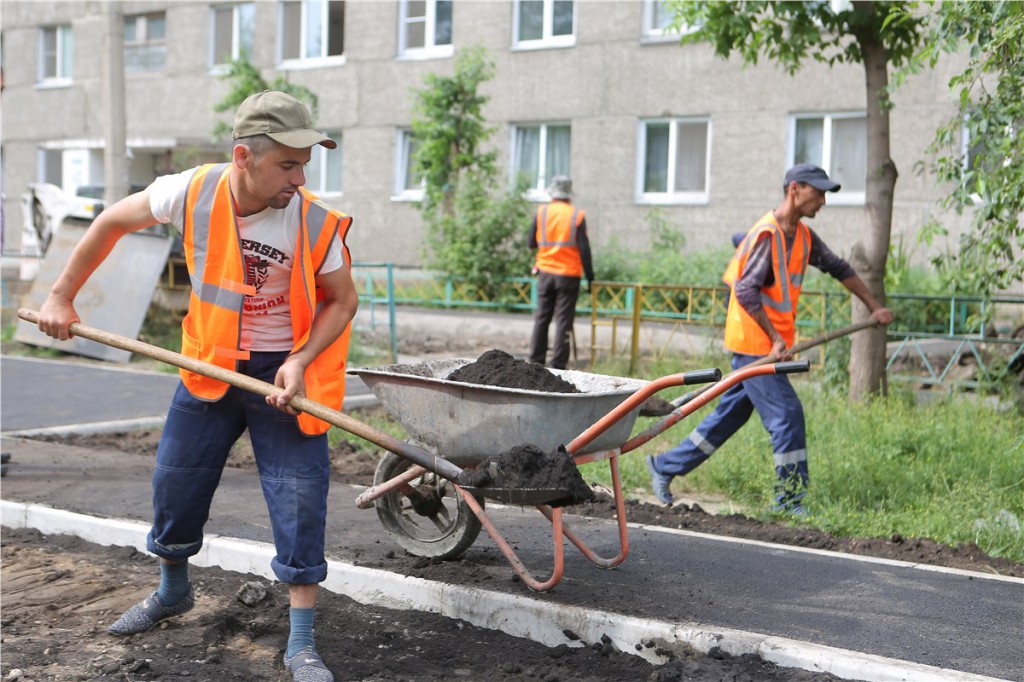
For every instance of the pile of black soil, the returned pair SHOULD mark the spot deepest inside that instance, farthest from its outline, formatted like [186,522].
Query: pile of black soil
[498,368]
[527,467]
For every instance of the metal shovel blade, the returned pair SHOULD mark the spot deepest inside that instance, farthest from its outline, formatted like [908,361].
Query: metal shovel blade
[523,496]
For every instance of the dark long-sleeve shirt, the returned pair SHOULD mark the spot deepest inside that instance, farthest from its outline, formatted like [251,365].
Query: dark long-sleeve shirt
[758,272]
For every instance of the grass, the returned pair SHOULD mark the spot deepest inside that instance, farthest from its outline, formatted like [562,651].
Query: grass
[952,470]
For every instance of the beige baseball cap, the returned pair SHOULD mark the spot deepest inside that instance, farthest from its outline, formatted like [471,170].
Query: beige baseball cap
[280,117]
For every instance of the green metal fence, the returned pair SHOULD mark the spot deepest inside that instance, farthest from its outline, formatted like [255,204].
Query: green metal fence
[932,341]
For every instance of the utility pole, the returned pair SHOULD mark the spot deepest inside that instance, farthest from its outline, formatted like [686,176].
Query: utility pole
[115,157]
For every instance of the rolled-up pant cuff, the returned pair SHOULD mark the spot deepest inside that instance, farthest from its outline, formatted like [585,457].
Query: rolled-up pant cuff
[299,576]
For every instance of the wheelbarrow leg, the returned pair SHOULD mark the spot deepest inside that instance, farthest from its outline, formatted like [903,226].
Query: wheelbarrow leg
[620,513]
[510,555]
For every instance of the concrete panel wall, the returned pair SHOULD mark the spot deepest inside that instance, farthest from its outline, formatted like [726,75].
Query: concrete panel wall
[604,86]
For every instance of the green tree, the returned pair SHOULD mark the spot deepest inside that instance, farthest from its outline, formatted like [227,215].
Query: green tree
[474,231]
[247,80]
[878,35]
[990,181]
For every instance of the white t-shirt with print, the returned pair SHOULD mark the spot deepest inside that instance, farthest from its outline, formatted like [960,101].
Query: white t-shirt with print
[268,244]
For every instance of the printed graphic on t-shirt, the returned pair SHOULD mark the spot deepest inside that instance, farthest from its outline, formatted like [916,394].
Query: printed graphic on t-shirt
[260,260]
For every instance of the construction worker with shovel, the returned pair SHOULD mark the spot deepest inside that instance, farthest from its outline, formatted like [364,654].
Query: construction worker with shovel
[272,298]
[765,277]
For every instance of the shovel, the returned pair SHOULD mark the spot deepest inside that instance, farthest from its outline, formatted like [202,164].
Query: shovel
[656,407]
[439,465]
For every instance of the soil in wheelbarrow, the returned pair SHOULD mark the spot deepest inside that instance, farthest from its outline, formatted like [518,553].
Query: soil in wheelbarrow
[498,368]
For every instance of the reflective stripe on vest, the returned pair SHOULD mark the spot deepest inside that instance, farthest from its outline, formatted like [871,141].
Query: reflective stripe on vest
[212,327]
[557,252]
[742,333]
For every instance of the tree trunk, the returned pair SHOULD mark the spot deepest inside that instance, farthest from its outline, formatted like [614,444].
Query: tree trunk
[869,255]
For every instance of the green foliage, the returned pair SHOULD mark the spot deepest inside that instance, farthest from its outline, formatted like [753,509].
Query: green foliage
[788,33]
[665,261]
[484,239]
[474,231]
[247,80]
[951,470]
[450,129]
[991,113]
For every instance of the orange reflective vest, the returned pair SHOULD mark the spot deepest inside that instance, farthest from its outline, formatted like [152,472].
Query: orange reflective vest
[742,333]
[213,253]
[557,252]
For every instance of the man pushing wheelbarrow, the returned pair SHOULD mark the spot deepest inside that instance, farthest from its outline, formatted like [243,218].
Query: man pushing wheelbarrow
[765,276]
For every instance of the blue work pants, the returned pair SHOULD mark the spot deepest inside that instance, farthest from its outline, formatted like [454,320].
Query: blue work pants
[294,471]
[777,404]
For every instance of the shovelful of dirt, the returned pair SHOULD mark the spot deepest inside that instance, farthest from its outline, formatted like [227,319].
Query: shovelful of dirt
[524,467]
[527,467]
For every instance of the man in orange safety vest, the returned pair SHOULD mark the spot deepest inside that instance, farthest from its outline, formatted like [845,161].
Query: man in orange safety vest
[559,234]
[765,277]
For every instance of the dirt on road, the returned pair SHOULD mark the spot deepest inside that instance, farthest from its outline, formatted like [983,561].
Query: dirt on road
[60,594]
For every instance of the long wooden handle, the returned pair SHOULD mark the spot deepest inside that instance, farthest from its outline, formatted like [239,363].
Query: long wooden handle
[420,456]
[798,348]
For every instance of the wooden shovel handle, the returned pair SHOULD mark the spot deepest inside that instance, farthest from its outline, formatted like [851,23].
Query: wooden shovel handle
[425,459]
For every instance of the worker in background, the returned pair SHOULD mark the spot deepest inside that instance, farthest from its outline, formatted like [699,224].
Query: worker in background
[765,275]
[559,234]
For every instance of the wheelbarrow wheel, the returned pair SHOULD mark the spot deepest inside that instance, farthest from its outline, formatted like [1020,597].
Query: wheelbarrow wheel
[436,523]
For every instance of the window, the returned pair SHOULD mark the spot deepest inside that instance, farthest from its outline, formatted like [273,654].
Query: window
[544,23]
[56,48]
[312,30]
[323,174]
[837,143]
[145,44]
[231,33]
[675,157]
[658,18]
[425,28]
[408,185]
[540,152]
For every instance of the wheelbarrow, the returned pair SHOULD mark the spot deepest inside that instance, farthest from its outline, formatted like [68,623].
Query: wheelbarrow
[428,479]
[467,423]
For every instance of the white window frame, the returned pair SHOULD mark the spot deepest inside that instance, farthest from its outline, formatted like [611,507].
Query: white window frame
[843,197]
[671,196]
[430,50]
[325,157]
[404,142]
[547,40]
[651,33]
[538,192]
[144,41]
[216,67]
[62,32]
[307,62]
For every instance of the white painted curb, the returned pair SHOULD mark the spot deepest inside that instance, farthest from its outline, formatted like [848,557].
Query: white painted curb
[517,615]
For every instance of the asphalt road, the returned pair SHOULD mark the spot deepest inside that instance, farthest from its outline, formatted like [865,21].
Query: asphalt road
[951,620]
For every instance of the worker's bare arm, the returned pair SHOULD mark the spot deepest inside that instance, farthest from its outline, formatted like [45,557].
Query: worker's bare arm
[130,214]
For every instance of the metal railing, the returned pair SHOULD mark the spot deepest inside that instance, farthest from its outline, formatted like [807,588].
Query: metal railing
[930,339]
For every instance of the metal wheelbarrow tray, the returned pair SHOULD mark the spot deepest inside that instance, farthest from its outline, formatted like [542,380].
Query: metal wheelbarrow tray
[467,423]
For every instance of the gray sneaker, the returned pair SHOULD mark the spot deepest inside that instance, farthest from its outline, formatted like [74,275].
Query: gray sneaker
[307,666]
[149,612]
[659,482]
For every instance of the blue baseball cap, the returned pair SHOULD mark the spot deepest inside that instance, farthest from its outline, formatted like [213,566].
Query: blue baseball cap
[809,174]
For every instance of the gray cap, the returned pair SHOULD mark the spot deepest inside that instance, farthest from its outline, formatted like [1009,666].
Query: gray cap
[809,174]
[280,117]
[560,187]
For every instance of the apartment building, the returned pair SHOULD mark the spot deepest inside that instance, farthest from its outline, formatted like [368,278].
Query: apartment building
[596,89]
